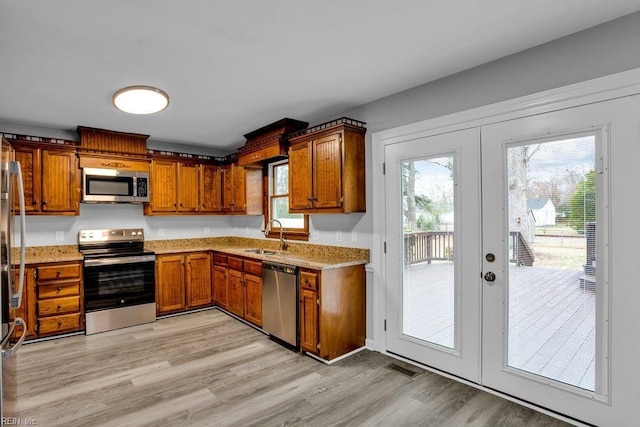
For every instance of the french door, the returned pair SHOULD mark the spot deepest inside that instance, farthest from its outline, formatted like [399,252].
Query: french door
[433,285]
[498,255]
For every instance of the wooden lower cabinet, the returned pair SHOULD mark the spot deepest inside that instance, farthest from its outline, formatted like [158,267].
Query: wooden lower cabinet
[235,292]
[220,280]
[183,281]
[238,286]
[52,299]
[332,310]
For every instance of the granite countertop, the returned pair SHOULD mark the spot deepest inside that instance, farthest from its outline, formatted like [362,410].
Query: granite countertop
[317,257]
[312,256]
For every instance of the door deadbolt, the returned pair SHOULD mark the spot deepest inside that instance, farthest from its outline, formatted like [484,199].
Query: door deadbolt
[490,257]
[489,276]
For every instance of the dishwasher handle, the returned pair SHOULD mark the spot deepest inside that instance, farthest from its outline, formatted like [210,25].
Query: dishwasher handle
[282,268]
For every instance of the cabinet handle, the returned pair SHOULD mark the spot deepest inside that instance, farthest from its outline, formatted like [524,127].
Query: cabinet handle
[59,324]
[59,288]
[34,203]
[44,202]
[174,205]
[58,273]
[59,307]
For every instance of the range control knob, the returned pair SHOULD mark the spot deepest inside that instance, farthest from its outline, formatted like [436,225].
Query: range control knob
[83,235]
[133,233]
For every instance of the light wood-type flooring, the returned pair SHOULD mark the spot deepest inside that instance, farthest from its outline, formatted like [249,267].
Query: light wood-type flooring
[209,369]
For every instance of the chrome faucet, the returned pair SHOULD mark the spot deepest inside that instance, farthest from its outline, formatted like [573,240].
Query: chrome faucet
[267,230]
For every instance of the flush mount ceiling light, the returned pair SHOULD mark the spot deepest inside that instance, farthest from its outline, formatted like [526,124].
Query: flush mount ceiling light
[140,100]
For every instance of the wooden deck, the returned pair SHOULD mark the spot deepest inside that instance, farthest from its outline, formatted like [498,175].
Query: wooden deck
[551,318]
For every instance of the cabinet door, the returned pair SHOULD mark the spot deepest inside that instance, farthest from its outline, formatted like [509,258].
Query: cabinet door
[309,337]
[188,187]
[29,159]
[27,310]
[198,280]
[239,188]
[163,186]
[220,286]
[227,188]
[170,289]
[327,172]
[235,299]
[210,189]
[59,187]
[300,172]
[253,299]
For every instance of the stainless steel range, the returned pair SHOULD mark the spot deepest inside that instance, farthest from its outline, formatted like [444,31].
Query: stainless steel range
[119,279]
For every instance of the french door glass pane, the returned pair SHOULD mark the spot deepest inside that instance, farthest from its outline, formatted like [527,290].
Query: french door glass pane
[428,306]
[551,189]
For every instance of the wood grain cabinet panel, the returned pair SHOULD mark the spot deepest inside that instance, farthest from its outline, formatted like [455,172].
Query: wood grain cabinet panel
[163,184]
[59,188]
[55,302]
[199,288]
[27,309]
[210,189]
[238,286]
[183,282]
[253,299]
[309,304]
[332,311]
[235,296]
[29,159]
[188,187]
[220,286]
[51,179]
[328,171]
[170,284]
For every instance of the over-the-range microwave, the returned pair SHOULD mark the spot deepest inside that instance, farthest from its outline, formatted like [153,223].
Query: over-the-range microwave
[114,186]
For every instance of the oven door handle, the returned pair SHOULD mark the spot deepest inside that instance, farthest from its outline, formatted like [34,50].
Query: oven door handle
[97,262]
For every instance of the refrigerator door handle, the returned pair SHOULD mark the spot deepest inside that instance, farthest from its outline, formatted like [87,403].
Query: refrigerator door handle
[16,298]
[11,351]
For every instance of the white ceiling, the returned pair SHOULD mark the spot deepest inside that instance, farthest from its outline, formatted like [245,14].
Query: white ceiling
[233,66]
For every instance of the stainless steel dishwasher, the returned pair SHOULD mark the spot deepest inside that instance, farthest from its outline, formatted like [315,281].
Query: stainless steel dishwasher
[280,301]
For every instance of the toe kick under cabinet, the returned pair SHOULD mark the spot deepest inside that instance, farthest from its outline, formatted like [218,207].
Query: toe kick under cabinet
[332,310]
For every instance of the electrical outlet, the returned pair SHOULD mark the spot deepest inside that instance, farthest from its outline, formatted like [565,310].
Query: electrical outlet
[59,236]
[338,236]
[246,231]
[354,236]
[207,231]
[161,232]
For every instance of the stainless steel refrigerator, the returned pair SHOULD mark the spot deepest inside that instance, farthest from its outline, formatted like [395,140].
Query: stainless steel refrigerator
[13,330]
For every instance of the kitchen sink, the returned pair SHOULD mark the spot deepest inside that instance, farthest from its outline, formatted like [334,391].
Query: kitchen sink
[261,251]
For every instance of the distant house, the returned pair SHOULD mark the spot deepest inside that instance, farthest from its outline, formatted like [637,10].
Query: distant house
[542,210]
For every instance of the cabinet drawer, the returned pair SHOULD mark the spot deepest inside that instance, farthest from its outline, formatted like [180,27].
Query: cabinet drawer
[220,259]
[53,306]
[309,280]
[58,289]
[235,263]
[62,271]
[56,324]
[253,267]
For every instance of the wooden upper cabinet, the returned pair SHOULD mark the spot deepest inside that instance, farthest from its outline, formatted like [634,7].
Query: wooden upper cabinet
[327,168]
[300,170]
[163,186]
[241,190]
[327,172]
[29,159]
[188,187]
[210,189]
[50,179]
[59,172]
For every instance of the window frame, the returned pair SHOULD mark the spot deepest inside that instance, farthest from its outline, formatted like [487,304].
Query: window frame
[274,233]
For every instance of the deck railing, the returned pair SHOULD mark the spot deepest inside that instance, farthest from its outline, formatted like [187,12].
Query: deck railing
[427,246]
